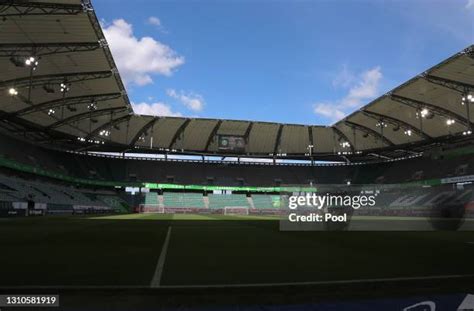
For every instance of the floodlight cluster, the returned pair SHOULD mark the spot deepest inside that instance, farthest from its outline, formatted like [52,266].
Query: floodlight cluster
[64,87]
[467,98]
[104,133]
[345,144]
[31,62]
[349,152]
[92,106]
[12,91]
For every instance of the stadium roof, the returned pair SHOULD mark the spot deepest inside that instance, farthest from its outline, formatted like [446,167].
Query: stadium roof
[74,98]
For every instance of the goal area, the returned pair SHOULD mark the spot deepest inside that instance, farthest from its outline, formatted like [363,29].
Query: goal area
[236,210]
[151,208]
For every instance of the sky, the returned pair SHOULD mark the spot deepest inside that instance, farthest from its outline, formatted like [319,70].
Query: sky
[294,62]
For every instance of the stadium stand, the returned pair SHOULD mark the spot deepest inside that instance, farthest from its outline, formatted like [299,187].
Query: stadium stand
[220,201]
[261,201]
[183,200]
[56,198]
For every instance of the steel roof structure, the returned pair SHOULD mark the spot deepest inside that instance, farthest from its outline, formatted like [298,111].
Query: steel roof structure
[59,86]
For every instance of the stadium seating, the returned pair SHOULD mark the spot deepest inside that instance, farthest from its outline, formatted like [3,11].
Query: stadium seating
[228,200]
[55,196]
[265,201]
[183,200]
[151,198]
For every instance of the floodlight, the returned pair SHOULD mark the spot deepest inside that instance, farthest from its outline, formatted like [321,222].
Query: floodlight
[12,91]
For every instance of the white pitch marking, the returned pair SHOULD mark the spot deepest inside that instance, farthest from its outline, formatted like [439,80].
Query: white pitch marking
[156,281]
[355,281]
[238,285]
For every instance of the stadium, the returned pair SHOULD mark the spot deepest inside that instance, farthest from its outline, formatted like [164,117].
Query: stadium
[98,203]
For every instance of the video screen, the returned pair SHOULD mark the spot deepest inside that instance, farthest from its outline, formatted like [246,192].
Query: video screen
[211,155]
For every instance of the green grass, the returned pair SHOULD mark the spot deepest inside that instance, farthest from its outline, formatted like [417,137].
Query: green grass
[123,250]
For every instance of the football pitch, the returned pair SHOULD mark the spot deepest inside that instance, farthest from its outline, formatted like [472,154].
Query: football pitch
[159,250]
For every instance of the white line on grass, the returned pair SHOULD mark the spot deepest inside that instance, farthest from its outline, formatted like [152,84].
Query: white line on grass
[238,285]
[355,281]
[156,281]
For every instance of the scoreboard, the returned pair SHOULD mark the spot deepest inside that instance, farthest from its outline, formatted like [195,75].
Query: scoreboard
[231,143]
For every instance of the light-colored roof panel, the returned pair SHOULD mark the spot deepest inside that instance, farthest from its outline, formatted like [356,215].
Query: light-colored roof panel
[236,128]
[323,139]
[164,131]
[358,139]
[294,139]
[381,129]
[462,70]
[47,29]
[196,135]
[262,138]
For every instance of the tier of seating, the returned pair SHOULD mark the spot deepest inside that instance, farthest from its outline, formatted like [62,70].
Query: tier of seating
[228,200]
[54,196]
[265,201]
[183,200]
[151,198]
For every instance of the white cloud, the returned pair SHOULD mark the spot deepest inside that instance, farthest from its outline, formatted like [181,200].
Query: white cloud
[153,20]
[362,88]
[139,58]
[329,111]
[155,109]
[344,78]
[191,100]
[470,4]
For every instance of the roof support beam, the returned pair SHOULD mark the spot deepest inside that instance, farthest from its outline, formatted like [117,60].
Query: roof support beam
[278,140]
[76,100]
[42,49]
[40,80]
[141,131]
[457,86]
[396,122]
[85,115]
[310,136]
[371,131]
[22,8]
[343,136]
[179,132]
[212,135]
[247,132]
[439,110]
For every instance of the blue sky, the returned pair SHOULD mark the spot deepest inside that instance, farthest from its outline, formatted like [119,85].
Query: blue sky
[304,62]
